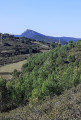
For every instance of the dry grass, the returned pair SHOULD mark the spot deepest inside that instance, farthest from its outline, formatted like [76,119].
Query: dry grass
[10,68]
[7,77]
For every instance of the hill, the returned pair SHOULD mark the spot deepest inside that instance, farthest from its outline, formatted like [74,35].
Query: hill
[40,37]
[46,75]
[14,49]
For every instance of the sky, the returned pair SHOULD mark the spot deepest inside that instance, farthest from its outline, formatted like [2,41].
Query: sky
[50,17]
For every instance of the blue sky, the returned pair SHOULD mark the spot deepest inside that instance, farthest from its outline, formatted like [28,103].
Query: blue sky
[49,17]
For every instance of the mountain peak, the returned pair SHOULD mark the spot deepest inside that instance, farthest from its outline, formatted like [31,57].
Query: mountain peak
[40,37]
[28,30]
[29,33]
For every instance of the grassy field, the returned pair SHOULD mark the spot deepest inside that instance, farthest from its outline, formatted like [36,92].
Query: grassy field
[10,68]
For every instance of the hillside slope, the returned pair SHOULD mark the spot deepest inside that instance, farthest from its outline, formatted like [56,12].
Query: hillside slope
[64,107]
[14,49]
[45,75]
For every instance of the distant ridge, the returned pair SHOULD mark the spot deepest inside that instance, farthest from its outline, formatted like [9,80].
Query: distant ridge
[40,37]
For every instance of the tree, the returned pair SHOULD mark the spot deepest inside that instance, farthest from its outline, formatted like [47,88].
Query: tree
[71,58]
[70,44]
[3,89]
[16,73]
[59,60]
[53,45]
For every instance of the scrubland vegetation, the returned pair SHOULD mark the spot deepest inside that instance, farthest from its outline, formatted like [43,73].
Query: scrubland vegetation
[41,90]
[66,106]
[15,49]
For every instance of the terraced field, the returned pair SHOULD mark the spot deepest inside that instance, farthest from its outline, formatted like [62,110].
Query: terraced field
[6,71]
